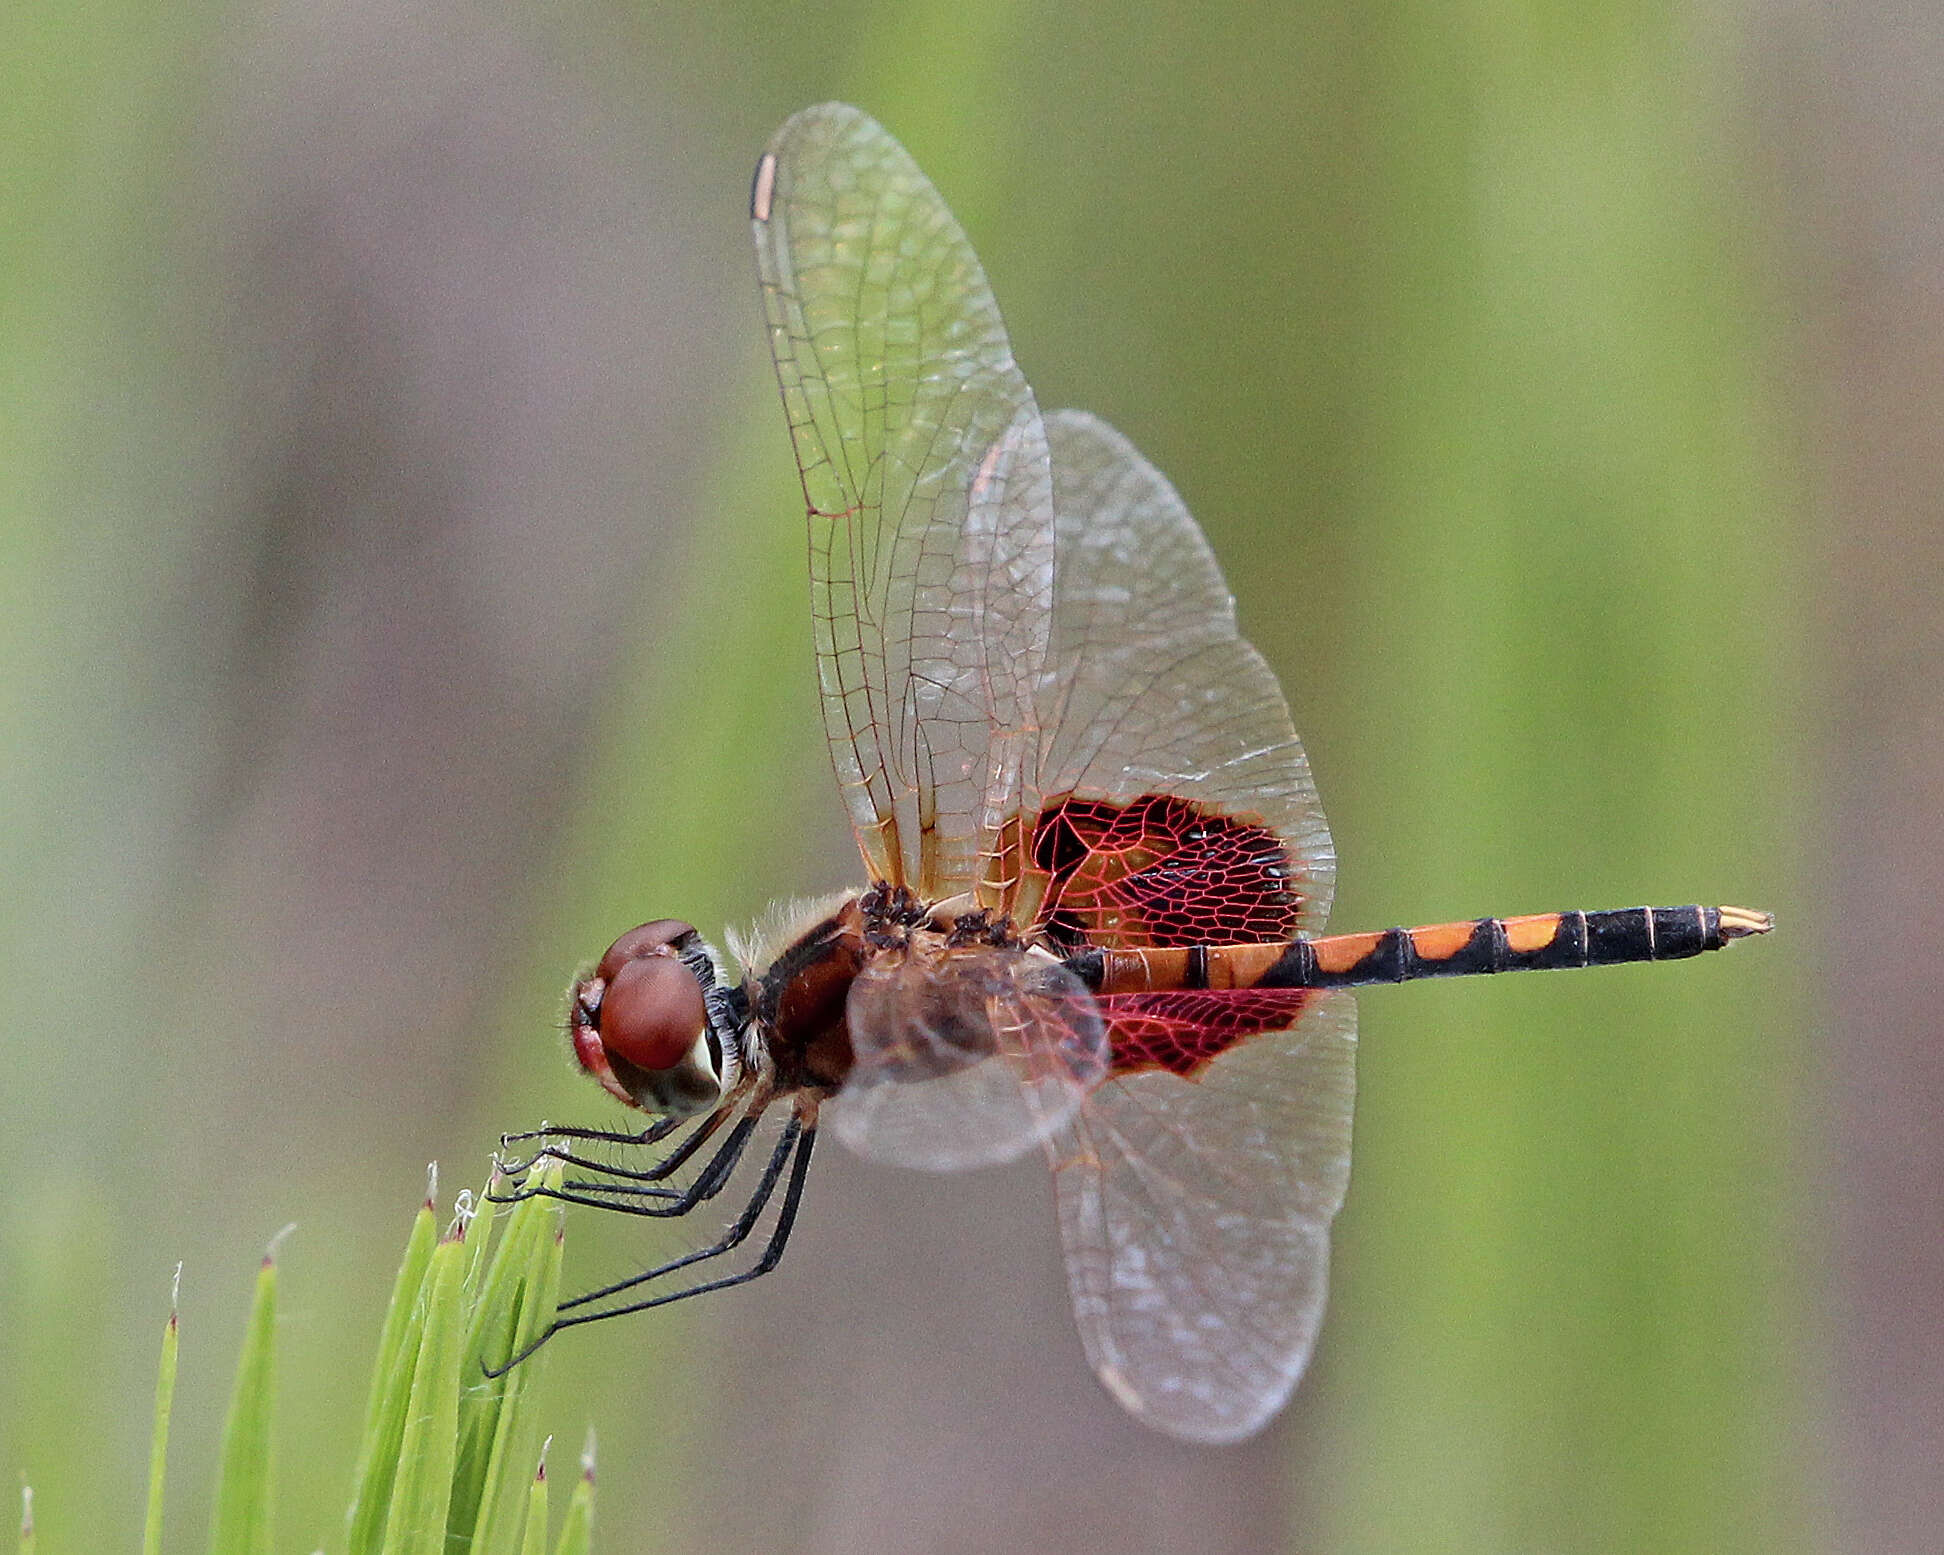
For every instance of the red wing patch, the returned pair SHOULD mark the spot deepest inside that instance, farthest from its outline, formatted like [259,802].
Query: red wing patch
[1160,870]
[1184,1032]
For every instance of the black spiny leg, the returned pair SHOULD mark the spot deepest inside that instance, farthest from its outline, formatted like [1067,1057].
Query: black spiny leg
[670,1203]
[732,1238]
[798,1139]
[654,1134]
[663,1169]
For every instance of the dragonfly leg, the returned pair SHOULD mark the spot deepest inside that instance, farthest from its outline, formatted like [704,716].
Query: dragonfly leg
[729,1240]
[671,1203]
[793,1148]
[653,1135]
[666,1167]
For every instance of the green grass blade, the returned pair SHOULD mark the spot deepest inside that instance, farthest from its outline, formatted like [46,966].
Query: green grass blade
[533,1541]
[391,1391]
[165,1378]
[422,1488]
[577,1532]
[436,1429]
[496,1428]
[501,1510]
[479,1237]
[495,1310]
[542,1282]
[491,1322]
[242,1516]
[396,1338]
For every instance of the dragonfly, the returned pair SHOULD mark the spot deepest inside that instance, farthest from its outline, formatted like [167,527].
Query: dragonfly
[1096,872]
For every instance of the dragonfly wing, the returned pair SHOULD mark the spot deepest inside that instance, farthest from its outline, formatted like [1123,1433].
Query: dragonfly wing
[929,494]
[1095,751]
[964,1057]
[1175,807]
[1195,1208]
[1171,800]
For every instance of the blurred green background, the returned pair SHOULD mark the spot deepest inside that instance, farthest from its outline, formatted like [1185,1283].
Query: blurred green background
[402,594]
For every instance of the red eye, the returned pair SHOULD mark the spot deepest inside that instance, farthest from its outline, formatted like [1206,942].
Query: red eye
[644,941]
[651,1012]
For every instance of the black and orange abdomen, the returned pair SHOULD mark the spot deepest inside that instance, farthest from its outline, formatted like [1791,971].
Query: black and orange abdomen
[1179,1007]
[1473,946]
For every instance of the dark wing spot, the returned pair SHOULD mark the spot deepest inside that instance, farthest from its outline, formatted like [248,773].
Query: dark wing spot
[1160,870]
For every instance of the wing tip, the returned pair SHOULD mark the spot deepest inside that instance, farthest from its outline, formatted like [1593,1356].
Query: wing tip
[762,187]
[1114,1380]
[833,119]
[1201,1428]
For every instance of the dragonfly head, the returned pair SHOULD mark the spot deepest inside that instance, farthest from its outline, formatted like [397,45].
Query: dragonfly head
[645,1023]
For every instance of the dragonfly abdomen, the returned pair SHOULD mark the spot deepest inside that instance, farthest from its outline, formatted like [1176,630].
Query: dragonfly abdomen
[1536,942]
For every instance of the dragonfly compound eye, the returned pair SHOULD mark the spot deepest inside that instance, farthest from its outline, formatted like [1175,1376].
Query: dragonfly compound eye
[652,1013]
[662,934]
[640,1023]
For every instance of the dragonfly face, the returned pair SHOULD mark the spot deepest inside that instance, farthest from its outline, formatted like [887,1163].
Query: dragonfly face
[1095,867]
[640,1022]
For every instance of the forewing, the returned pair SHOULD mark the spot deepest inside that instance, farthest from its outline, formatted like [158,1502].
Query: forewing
[1196,1207]
[964,1057]
[1166,750]
[929,492]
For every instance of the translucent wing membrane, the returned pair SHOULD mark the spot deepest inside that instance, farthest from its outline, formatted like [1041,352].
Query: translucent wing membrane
[1149,690]
[1172,804]
[1196,1217]
[1036,695]
[929,492]
[965,1057]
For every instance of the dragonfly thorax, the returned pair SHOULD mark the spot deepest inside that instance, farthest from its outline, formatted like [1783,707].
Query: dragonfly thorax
[800,987]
